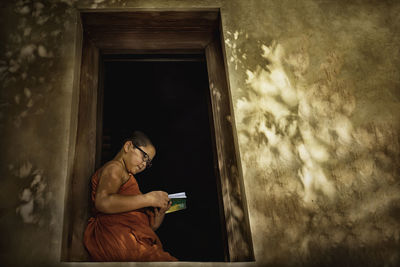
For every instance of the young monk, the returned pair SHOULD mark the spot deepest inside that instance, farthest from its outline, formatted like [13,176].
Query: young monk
[123,225]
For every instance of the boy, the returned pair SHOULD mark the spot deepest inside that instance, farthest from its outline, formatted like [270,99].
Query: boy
[122,228]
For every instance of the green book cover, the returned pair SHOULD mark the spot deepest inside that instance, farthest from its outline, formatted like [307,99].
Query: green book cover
[178,202]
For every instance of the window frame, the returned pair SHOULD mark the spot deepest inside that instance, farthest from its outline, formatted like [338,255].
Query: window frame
[153,32]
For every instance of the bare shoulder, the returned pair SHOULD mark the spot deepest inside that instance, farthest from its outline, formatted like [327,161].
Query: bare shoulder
[113,171]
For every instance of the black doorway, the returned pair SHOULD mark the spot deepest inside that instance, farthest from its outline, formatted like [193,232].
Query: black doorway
[168,99]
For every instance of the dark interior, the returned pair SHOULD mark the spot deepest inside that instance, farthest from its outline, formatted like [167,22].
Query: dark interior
[167,97]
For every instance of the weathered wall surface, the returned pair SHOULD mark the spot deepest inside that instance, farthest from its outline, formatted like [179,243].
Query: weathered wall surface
[316,93]
[316,96]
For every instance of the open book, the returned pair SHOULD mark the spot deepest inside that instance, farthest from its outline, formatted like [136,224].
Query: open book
[178,202]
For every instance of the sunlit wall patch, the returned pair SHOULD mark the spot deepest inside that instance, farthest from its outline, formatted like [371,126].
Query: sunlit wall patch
[299,145]
[35,196]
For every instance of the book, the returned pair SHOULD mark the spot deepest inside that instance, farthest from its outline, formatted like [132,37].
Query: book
[178,202]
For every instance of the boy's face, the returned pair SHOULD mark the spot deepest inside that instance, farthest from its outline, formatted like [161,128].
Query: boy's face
[139,157]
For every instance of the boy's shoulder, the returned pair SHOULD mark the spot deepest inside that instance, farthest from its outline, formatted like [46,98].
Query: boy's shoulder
[113,168]
[115,164]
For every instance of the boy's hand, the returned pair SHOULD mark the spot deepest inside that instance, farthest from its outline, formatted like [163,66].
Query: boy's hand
[159,214]
[158,199]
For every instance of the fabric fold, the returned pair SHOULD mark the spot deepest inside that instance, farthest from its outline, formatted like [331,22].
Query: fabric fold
[123,236]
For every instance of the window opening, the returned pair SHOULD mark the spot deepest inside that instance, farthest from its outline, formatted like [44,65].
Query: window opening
[167,98]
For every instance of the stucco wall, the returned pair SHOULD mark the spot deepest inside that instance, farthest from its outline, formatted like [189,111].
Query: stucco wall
[316,95]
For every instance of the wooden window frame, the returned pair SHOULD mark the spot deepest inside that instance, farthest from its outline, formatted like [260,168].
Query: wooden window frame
[154,32]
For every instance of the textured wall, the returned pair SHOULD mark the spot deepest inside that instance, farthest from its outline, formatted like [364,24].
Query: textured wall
[316,93]
[36,72]
[316,97]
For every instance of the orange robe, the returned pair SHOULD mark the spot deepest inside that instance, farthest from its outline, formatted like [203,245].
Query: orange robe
[123,236]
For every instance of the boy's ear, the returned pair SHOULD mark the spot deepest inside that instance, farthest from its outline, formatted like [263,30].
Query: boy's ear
[126,146]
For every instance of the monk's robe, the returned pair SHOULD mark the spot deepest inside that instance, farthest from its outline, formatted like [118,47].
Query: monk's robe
[125,236]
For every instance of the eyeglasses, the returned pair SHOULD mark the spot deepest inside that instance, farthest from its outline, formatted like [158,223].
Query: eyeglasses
[146,157]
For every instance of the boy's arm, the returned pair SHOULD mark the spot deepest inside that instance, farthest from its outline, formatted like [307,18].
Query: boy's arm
[107,199]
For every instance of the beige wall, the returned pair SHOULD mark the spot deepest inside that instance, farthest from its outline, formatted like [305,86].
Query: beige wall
[316,94]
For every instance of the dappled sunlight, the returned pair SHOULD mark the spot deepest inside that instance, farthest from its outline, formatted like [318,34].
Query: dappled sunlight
[273,113]
[35,196]
[314,179]
[27,54]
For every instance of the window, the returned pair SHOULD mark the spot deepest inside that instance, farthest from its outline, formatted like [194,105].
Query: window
[162,43]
